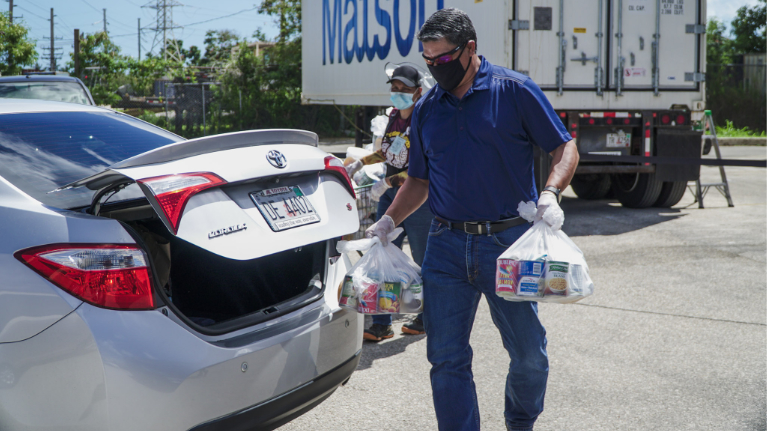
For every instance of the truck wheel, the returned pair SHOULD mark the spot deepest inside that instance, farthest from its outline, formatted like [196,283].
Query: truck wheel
[591,186]
[671,193]
[636,190]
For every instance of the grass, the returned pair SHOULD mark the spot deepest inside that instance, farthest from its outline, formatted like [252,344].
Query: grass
[729,131]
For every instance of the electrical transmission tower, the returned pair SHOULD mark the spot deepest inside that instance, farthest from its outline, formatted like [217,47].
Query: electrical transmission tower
[163,29]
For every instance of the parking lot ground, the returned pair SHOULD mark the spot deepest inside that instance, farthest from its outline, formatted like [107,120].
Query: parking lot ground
[674,337]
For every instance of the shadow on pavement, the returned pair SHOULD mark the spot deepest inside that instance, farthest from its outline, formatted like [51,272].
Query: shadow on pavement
[372,351]
[609,217]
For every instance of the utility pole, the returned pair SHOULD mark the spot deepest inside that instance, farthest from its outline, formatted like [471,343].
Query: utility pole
[105,20]
[53,51]
[53,48]
[10,11]
[77,53]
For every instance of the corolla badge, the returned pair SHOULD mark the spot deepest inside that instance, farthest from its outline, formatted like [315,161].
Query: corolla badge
[277,159]
[227,230]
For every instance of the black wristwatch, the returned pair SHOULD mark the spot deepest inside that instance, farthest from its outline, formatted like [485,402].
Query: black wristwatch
[554,190]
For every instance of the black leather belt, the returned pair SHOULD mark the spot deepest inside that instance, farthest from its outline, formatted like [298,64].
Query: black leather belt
[482,227]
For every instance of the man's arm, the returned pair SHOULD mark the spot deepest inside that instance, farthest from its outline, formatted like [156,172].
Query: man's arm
[563,166]
[409,198]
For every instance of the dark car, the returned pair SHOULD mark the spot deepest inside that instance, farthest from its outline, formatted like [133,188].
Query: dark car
[57,88]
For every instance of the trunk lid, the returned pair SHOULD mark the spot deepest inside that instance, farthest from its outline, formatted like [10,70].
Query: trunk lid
[270,191]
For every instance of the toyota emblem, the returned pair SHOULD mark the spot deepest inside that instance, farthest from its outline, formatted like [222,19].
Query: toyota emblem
[277,159]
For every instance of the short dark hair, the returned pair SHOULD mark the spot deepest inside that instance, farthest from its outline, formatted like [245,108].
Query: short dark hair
[452,24]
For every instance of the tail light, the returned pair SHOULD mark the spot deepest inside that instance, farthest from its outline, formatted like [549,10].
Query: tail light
[665,119]
[680,119]
[106,275]
[172,192]
[336,165]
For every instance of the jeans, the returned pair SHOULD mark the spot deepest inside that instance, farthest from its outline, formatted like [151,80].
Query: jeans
[457,270]
[417,230]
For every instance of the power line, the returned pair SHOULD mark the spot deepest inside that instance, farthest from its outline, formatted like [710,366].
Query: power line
[92,7]
[28,11]
[221,17]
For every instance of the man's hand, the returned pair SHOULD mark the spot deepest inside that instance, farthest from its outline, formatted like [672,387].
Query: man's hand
[548,202]
[378,189]
[353,167]
[381,229]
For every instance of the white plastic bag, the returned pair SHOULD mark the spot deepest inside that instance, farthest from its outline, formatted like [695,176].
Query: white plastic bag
[378,125]
[543,265]
[369,174]
[357,153]
[384,281]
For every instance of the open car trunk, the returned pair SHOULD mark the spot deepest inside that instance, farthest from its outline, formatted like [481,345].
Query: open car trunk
[237,227]
[222,294]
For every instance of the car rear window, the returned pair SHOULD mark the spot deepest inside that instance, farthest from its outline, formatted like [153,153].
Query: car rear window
[60,91]
[40,152]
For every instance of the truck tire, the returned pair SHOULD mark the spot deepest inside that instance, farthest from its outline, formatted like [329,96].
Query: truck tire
[591,186]
[671,193]
[636,190]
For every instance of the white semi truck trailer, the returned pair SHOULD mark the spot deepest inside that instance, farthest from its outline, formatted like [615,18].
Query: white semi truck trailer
[625,76]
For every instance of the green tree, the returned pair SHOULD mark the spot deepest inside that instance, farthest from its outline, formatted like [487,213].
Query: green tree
[719,47]
[142,74]
[193,55]
[268,85]
[218,47]
[16,49]
[749,27]
[287,14]
[103,67]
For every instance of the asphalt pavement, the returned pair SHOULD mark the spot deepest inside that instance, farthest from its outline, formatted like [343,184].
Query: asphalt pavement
[674,337]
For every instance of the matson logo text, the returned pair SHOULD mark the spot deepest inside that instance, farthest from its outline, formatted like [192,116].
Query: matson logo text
[342,21]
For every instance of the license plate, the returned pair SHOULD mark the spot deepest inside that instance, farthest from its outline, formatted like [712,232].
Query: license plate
[618,140]
[285,207]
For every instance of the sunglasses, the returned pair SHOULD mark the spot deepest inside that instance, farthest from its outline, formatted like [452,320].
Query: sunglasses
[443,58]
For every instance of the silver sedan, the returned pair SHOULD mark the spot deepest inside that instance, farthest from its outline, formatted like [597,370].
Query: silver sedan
[155,283]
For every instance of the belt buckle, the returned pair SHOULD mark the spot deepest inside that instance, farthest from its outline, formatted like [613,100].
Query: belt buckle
[466,225]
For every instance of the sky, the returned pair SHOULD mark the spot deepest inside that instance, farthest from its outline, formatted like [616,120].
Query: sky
[725,10]
[196,17]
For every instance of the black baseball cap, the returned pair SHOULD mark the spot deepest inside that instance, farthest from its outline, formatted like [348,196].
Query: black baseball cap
[408,75]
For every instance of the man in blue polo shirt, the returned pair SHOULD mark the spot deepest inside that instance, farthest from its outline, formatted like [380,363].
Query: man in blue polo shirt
[471,154]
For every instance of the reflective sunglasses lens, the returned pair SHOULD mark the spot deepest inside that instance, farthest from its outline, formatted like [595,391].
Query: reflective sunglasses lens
[444,59]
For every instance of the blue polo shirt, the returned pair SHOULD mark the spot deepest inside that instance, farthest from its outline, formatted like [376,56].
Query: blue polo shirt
[477,152]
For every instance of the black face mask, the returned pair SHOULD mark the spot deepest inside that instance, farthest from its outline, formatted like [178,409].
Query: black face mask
[450,74]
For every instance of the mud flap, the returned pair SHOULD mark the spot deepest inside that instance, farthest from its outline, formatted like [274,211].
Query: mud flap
[678,143]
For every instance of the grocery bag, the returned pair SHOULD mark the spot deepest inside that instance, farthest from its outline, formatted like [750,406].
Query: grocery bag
[543,265]
[384,281]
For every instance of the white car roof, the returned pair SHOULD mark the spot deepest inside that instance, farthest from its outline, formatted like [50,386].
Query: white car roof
[17,106]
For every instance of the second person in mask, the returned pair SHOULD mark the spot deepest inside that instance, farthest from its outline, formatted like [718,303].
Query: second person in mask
[405,90]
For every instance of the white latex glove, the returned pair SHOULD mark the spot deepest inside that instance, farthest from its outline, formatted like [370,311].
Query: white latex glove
[549,210]
[353,167]
[378,189]
[381,229]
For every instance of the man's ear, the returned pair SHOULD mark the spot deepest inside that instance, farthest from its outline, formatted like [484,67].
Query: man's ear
[418,93]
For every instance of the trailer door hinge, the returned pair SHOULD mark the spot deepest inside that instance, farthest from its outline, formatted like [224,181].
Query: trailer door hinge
[516,24]
[695,28]
[694,77]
